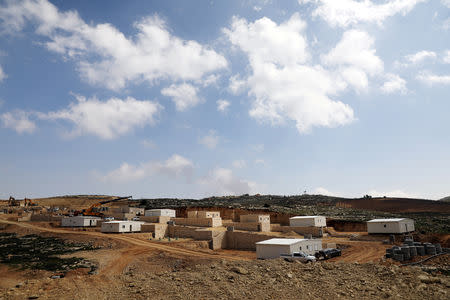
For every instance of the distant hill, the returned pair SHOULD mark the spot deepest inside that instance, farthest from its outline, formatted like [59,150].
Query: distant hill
[446,199]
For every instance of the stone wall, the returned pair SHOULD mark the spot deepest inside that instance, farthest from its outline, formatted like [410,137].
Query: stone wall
[244,240]
[201,222]
[314,231]
[155,219]
[159,230]
[264,226]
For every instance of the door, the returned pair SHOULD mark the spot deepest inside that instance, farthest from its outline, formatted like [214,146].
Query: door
[131,228]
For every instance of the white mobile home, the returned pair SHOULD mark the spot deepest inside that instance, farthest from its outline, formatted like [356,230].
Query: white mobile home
[273,248]
[398,225]
[308,221]
[121,226]
[80,221]
[160,213]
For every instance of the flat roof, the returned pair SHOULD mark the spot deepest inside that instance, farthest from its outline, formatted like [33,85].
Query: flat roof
[276,241]
[121,221]
[304,217]
[387,220]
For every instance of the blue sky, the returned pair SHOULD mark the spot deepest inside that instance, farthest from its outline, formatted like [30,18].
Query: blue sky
[192,99]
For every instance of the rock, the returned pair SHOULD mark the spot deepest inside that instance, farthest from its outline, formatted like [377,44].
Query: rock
[289,275]
[428,279]
[239,270]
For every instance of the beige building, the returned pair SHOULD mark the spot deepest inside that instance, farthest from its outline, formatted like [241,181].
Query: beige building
[254,218]
[203,214]
[160,213]
[273,248]
[307,221]
[397,225]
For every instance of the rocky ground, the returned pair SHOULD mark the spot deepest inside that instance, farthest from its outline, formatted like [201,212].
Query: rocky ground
[164,277]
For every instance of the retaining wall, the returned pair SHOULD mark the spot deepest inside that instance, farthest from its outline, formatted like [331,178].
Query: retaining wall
[314,231]
[159,230]
[201,222]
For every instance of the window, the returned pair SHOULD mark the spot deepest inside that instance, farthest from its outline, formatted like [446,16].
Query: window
[307,247]
[123,226]
[384,225]
[315,247]
[300,247]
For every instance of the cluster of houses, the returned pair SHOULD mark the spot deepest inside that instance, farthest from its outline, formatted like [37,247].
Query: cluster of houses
[162,222]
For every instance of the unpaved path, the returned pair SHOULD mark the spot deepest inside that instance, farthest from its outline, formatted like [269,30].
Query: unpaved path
[133,241]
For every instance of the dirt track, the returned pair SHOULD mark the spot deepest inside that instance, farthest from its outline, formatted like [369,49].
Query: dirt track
[136,246]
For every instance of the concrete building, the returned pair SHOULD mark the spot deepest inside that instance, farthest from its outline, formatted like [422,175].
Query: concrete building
[306,221]
[80,221]
[389,226]
[273,248]
[121,226]
[203,214]
[254,218]
[160,213]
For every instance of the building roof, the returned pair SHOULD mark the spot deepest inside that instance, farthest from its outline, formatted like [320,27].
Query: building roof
[160,209]
[284,242]
[121,221]
[387,220]
[305,217]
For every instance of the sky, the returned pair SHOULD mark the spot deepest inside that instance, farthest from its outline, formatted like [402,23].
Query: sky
[199,98]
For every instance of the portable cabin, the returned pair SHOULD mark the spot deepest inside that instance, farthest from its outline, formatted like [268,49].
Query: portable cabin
[308,221]
[273,248]
[390,226]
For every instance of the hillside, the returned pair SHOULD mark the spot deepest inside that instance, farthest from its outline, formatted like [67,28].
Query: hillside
[446,199]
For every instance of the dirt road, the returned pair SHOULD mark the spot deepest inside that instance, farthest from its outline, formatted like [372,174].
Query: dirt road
[132,241]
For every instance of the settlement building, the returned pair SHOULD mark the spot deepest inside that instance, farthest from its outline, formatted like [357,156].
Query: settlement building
[121,226]
[398,225]
[160,213]
[273,248]
[80,221]
[307,221]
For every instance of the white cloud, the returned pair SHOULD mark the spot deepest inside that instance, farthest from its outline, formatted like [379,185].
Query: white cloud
[2,74]
[420,56]
[265,41]
[174,167]
[446,3]
[105,56]
[394,84]
[18,121]
[236,85]
[106,119]
[239,164]
[183,95]
[432,79]
[344,13]
[283,86]
[222,105]
[395,193]
[221,181]
[148,144]
[323,191]
[447,56]
[210,140]
[355,56]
